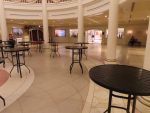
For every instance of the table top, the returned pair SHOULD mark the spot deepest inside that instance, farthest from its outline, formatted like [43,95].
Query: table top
[16,49]
[81,43]
[24,42]
[122,78]
[53,42]
[5,45]
[76,47]
[37,42]
[4,75]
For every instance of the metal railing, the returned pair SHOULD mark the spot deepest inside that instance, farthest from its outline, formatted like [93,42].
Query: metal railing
[36,1]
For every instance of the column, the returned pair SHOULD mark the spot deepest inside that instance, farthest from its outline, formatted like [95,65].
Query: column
[144,102]
[147,50]
[81,37]
[3,24]
[112,30]
[45,21]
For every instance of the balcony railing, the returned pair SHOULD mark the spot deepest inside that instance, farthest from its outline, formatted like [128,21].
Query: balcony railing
[36,1]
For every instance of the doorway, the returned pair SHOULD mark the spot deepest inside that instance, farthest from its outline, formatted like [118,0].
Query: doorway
[94,36]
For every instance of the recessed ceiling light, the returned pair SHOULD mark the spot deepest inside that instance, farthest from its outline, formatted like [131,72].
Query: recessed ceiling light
[106,16]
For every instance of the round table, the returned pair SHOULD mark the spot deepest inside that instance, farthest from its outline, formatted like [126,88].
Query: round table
[123,79]
[16,50]
[25,43]
[39,44]
[79,51]
[82,43]
[54,48]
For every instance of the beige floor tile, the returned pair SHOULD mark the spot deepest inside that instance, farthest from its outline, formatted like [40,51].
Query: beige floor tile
[55,90]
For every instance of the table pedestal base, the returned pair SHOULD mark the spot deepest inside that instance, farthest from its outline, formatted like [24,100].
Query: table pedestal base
[18,64]
[129,98]
[76,60]
[3,100]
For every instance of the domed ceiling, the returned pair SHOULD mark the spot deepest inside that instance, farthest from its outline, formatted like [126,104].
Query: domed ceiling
[130,12]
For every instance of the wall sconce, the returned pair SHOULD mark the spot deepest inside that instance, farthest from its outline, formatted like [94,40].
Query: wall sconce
[129,32]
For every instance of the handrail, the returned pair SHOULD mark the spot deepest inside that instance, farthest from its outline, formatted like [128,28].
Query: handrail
[35,1]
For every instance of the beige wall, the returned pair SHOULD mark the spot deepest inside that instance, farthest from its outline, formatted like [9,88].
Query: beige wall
[66,39]
[139,31]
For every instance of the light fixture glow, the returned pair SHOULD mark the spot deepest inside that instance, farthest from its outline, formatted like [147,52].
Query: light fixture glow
[129,32]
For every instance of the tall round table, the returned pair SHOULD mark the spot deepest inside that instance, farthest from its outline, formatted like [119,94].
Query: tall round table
[82,43]
[79,52]
[125,79]
[16,50]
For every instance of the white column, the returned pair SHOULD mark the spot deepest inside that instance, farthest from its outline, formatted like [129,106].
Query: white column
[45,21]
[3,24]
[147,50]
[144,102]
[112,30]
[81,37]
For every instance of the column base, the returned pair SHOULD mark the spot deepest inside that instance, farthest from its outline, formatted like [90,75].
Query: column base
[110,61]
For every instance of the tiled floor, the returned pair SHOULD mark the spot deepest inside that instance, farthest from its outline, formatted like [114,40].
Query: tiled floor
[98,100]
[56,91]
[15,86]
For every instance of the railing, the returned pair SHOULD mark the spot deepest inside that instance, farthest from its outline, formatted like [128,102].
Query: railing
[36,1]
[24,1]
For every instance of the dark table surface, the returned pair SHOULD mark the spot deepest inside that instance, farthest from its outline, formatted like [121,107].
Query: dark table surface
[25,42]
[122,78]
[5,45]
[76,47]
[16,49]
[81,43]
[37,42]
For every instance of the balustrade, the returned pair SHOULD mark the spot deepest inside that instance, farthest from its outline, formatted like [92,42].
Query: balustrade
[36,1]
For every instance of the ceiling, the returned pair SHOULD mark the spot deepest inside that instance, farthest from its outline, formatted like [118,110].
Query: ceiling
[130,12]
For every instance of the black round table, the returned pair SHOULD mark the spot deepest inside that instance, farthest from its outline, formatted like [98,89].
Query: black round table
[79,52]
[25,43]
[39,44]
[54,49]
[16,50]
[82,43]
[123,79]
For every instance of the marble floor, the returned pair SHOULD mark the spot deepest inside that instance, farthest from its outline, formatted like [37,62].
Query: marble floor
[97,99]
[15,86]
[54,90]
